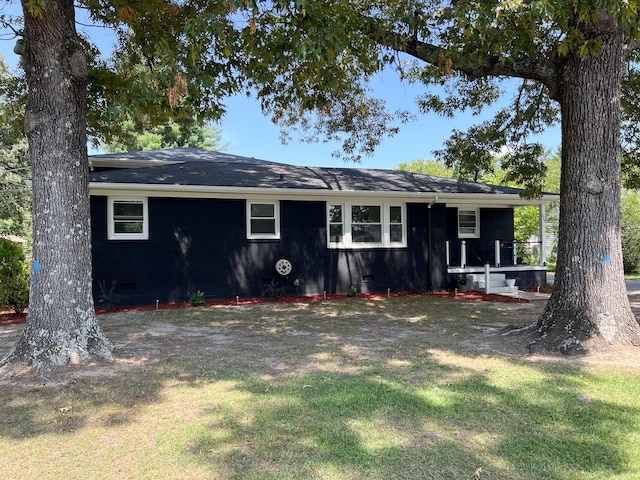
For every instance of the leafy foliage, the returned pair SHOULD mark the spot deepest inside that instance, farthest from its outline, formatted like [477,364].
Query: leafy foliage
[426,167]
[15,198]
[108,299]
[631,231]
[168,135]
[273,290]
[197,298]
[14,276]
[306,62]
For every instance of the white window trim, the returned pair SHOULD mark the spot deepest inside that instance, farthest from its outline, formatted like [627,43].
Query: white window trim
[111,231]
[477,227]
[276,213]
[385,220]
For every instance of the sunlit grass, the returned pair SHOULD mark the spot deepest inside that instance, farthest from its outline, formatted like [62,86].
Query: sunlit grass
[328,391]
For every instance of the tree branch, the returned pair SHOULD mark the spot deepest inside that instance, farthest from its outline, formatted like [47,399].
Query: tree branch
[539,69]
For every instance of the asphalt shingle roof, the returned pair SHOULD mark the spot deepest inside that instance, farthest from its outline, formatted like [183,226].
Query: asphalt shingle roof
[215,169]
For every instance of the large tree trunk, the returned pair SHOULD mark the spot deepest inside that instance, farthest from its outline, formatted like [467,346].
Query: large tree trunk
[61,324]
[589,305]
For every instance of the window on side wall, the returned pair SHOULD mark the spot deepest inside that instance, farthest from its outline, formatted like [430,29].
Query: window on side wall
[468,223]
[263,220]
[365,225]
[128,219]
[336,224]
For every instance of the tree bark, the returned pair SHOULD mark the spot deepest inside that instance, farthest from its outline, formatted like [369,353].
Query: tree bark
[61,324]
[589,307]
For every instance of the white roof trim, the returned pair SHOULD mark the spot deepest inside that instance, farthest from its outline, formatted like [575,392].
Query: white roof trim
[206,191]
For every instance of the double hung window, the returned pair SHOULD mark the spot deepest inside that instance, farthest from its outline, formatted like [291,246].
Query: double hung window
[468,223]
[263,220]
[128,219]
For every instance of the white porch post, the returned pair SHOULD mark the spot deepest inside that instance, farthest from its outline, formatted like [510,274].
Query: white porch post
[543,234]
[496,252]
[515,253]
[487,278]
[447,252]
[463,254]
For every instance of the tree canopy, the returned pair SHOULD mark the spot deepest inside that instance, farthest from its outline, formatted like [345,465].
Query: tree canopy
[575,60]
[168,135]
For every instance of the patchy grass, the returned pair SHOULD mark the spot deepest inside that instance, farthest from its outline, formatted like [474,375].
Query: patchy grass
[410,388]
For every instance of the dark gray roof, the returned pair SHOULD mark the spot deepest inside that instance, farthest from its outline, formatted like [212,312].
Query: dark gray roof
[224,170]
[171,155]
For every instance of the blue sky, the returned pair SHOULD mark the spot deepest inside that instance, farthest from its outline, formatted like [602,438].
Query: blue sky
[247,132]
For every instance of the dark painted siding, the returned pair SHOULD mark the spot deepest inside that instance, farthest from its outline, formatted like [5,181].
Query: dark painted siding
[201,244]
[438,267]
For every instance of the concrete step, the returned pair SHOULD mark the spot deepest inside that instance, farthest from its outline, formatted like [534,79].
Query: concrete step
[479,277]
[492,284]
[503,289]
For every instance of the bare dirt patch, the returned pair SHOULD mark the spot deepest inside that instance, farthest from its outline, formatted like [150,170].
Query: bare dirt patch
[340,335]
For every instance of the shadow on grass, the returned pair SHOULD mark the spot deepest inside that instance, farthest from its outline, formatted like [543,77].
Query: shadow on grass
[325,392]
[379,426]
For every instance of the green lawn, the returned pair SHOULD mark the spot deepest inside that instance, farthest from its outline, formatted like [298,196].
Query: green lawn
[393,389]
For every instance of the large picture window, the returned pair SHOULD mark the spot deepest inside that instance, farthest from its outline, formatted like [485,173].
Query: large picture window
[128,219]
[468,223]
[263,220]
[353,225]
[366,224]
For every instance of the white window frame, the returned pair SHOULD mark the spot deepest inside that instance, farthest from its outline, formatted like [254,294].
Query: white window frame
[329,223]
[385,214]
[476,233]
[276,217]
[111,221]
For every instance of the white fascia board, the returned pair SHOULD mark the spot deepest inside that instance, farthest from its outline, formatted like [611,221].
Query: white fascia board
[205,191]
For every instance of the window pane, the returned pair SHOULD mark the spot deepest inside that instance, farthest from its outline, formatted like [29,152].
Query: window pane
[467,218]
[366,233]
[365,214]
[395,233]
[127,209]
[467,225]
[335,233]
[263,226]
[335,213]
[395,214]
[262,210]
[127,227]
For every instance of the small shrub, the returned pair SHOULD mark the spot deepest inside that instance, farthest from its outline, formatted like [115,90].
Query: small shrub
[197,299]
[352,292]
[14,276]
[108,299]
[273,291]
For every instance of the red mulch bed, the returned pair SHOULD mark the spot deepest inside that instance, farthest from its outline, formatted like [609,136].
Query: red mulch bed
[11,318]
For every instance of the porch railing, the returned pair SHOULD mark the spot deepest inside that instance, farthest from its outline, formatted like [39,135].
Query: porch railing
[507,252]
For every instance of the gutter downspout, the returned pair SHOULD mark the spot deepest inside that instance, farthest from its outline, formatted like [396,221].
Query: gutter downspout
[429,246]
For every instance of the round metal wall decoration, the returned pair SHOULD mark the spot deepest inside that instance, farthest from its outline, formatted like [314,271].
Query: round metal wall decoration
[283,267]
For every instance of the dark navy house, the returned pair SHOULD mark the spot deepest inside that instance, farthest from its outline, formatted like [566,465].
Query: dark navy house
[168,223]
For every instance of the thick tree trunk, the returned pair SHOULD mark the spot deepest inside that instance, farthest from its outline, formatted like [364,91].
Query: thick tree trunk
[589,307]
[61,324]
